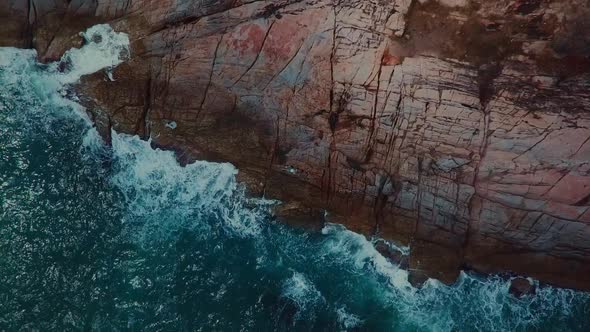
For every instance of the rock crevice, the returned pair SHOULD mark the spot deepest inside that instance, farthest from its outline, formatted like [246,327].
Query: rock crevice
[459,127]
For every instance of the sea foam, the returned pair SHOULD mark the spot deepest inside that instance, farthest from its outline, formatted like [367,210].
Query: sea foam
[153,182]
[104,49]
[472,303]
[299,289]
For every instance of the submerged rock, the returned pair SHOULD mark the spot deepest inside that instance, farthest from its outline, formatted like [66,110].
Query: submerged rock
[520,287]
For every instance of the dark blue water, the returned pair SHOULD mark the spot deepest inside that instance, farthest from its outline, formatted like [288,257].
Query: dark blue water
[124,239]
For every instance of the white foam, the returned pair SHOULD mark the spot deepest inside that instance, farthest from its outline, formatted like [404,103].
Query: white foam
[303,293]
[364,256]
[104,49]
[346,319]
[404,250]
[483,303]
[93,142]
[153,181]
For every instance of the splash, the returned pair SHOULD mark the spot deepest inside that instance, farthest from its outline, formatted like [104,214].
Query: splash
[154,184]
[104,49]
[356,249]
[473,303]
[303,293]
[347,319]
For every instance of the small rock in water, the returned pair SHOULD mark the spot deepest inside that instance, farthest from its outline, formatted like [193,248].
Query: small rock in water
[97,38]
[392,254]
[65,65]
[520,287]
[171,125]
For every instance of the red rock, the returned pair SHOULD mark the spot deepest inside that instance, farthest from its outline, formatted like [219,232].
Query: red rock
[461,125]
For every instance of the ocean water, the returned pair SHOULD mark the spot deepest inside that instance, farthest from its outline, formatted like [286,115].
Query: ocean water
[122,238]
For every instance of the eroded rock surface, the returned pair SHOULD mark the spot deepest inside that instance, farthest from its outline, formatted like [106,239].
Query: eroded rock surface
[458,127]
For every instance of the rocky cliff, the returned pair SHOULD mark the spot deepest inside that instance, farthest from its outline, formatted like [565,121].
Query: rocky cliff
[460,127]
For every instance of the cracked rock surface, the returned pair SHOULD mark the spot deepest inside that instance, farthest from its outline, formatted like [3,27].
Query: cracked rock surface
[459,127]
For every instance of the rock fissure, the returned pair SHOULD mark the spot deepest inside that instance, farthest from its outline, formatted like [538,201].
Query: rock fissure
[460,129]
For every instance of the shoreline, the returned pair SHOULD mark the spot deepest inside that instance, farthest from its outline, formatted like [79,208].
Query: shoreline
[474,151]
[313,220]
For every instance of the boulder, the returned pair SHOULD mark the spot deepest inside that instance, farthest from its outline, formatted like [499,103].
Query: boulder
[520,287]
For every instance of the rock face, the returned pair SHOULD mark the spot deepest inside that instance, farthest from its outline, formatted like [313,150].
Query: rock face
[460,127]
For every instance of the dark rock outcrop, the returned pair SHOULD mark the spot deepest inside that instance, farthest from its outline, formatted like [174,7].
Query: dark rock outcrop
[392,254]
[520,287]
[460,127]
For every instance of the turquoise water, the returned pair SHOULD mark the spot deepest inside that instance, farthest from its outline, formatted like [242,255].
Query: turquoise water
[122,238]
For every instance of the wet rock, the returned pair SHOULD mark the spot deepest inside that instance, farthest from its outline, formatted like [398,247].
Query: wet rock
[97,39]
[58,46]
[520,287]
[524,7]
[295,214]
[430,260]
[417,278]
[65,65]
[392,254]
